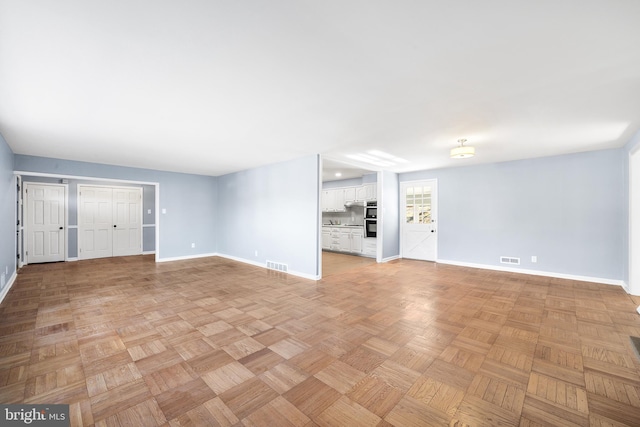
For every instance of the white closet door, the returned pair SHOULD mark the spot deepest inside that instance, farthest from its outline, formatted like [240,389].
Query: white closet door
[45,222]
[95,222]
[127,221]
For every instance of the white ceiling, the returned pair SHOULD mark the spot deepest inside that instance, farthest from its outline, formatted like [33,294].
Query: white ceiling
[212,87]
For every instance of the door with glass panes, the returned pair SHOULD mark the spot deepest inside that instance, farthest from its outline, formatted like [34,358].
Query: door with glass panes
[418,224]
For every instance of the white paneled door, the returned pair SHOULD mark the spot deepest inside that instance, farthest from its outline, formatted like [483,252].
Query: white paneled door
[127,221]
[45,219]
[418,220]
[110,221]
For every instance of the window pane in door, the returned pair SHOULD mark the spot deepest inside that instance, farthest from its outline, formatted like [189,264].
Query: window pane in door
[410,213]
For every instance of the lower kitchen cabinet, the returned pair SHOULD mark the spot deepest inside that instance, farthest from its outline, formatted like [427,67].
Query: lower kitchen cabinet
[351,240]
[343,239]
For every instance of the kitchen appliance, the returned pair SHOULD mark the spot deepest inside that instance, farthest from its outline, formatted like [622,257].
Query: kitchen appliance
[371,210]
[370,227]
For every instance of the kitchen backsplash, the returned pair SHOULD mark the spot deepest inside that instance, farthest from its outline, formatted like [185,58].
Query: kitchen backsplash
[351,216]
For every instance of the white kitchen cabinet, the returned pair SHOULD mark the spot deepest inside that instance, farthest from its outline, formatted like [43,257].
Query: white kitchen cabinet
[334,244]
[326,238]
[339,200]
[345,240]
[333,200]
[327,200]
[350,240]
[356,240]
[371,191]
[361,193]
[350,194]
[369,247]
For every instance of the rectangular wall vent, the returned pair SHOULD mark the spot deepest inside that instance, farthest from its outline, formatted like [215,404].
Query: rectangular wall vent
[509,260]
[278,266]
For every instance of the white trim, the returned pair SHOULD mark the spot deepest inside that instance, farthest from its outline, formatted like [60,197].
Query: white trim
[625,286]
[380,218]
[72,226]
[8,286]
[633,272]
[84,178]
[17,185]
[254,263]
[185,257]
[319,219]
[238,259]
[534,272]
[74,259]
[148,252]
[148,225]
[391,258]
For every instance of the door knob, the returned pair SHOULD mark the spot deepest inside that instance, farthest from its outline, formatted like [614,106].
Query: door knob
[61,228]
[114,226]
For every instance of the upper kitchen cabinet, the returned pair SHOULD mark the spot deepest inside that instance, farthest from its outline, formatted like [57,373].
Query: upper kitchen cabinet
[350,194]
[333,200]
[366,192]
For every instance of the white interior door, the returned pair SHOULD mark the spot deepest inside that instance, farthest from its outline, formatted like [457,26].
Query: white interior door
[127,221]
[95,222]
[45,215]
[110,221]
[418,230]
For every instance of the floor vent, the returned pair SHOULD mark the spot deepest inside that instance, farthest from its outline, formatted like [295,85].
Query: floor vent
[635,343]
[277,266]
[509,260]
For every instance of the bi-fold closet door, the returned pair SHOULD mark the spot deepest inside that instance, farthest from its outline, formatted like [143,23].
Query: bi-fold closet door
[109,221]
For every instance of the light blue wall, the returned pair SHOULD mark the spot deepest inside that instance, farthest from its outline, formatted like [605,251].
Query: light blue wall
[190,200]
[7,212]
[273,210]
[390,204]
[567,210]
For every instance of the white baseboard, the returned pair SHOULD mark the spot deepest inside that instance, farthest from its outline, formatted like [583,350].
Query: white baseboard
[391,258]
[185,257]
[148,252]
[535,272]
[72,259]
[257,264]
[8,286]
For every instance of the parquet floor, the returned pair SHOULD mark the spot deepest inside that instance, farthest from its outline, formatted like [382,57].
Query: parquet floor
[128,342]
[336,263]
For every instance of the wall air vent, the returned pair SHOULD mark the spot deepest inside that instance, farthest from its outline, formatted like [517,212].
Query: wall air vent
[509,260]
[277,266]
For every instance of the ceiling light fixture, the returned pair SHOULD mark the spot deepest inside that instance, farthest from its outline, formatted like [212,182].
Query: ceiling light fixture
[462,152]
